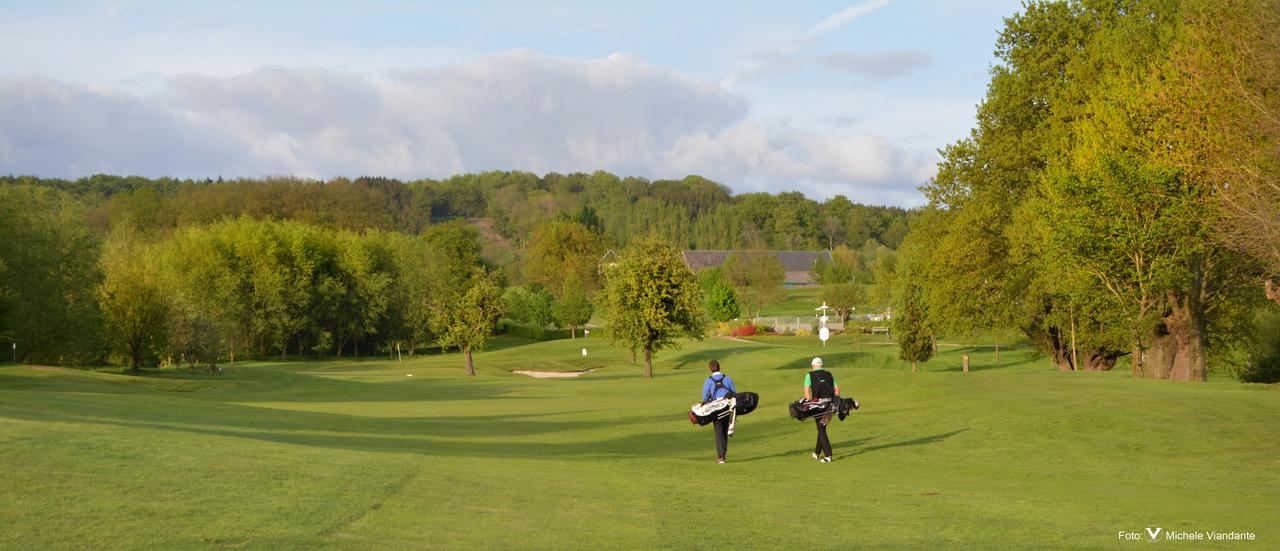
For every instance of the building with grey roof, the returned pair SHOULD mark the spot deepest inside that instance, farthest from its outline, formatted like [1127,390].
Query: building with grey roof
[796,263]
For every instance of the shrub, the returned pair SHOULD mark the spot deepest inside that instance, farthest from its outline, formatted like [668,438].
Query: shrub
[1263,365]
[747,330]
[529,305]
[721,301]
[534,332]
[1264,370]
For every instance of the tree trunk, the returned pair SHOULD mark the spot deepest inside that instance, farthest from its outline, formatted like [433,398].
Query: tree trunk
[1049,338]
[1137,357]
[1059,351]
[1177,348]
[913,366]
[648,361]
[1075,358]
[471,367]
[997,350]
[1101,360]
[573,331]
[135,356]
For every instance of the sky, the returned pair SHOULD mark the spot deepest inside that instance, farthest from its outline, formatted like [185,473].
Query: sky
[823,97]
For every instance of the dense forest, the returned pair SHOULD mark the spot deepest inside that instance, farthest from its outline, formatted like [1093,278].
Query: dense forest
[695,212]
[1118,197]
[136,270]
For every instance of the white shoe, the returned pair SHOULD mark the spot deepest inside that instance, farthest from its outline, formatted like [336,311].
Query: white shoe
[815,455]
[825,459]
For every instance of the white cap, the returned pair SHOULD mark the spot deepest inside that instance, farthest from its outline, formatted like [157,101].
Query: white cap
[816,361]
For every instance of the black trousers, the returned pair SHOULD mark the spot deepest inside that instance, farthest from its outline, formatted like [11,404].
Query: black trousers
[823,448]
[721,428]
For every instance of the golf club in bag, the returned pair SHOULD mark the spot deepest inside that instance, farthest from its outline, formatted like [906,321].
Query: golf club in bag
[730,406]
[804,410]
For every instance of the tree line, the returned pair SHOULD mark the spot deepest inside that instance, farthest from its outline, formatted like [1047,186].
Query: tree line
[140,272]
[694,212]
[264,288]
[1118,196]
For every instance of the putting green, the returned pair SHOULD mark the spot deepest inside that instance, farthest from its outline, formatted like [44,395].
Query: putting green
[358,454]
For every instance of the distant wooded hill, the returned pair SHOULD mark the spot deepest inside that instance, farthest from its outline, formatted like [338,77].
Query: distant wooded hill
[694,212]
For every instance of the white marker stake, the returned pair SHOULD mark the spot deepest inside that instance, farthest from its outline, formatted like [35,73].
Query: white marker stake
[584,351]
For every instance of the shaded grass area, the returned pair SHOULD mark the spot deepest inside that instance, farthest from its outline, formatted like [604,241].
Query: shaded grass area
[358,454]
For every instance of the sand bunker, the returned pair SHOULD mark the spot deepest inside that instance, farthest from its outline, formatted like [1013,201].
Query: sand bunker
[551,374]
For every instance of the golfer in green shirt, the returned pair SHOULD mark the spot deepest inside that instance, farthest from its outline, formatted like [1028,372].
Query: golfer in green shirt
[818,384]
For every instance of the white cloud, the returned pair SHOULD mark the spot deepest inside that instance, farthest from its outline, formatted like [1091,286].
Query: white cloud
[831,23]
[53,128]
[843,17]
[860,166]
[883,65]
[789,56]
[870,66]
[517,110]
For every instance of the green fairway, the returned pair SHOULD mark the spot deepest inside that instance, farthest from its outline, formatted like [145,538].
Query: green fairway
[358,454]
[796,301]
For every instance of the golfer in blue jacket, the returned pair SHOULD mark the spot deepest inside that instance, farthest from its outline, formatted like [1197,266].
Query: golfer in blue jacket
[717,386]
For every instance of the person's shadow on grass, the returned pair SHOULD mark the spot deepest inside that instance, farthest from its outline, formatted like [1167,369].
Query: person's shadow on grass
[806,451]
[934,439]
[851,447]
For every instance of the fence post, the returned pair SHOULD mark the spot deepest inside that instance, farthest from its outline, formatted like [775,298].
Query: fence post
[966,363]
